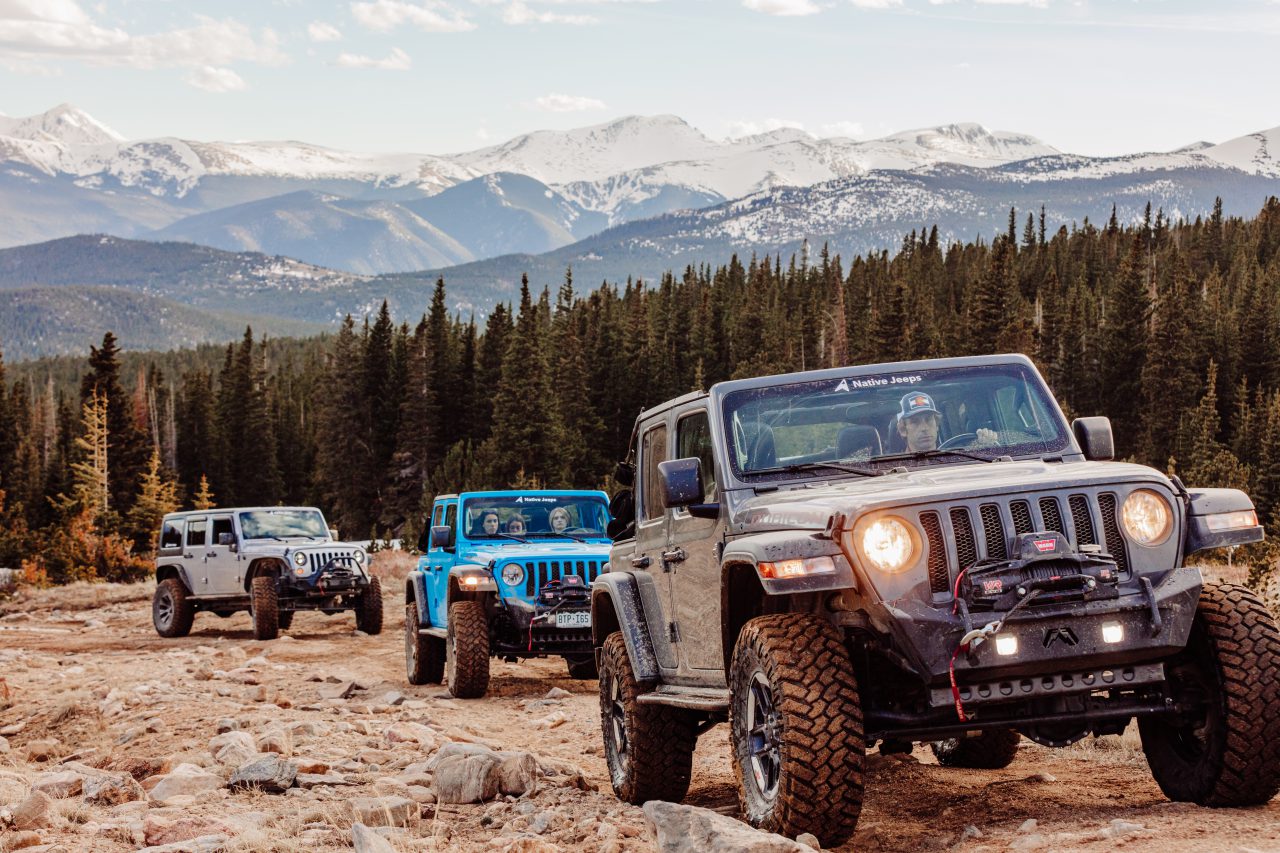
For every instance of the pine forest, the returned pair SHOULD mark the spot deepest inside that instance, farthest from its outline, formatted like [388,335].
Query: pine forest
[1170,328]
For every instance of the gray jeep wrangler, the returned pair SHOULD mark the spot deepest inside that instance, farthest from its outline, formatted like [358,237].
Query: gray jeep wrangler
[917,552]
[271,561]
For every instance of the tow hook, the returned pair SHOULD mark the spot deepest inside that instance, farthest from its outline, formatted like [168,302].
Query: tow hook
[1157,623]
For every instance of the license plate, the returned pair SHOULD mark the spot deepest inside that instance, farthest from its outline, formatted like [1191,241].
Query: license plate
[581,619]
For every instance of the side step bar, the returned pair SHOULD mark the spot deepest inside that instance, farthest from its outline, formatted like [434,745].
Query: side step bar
[438,633]
[693,698]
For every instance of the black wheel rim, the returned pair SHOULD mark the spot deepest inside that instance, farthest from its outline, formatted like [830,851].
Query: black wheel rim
[617,723]
[164,609]
[1194,688]
[764,737]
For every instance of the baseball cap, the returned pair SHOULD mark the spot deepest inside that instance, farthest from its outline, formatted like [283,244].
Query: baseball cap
[915,403]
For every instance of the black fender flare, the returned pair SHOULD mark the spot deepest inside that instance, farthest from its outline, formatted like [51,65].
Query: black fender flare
[415,590]
[175,570]
[616,606]
[274,566]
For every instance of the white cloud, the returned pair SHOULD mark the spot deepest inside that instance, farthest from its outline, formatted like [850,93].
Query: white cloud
[322,31]
[35,30]
[842,128]
[876,4]
[432,16]
[566,103]
[783,8]
[518,12]
[216,79]
[397,60]
[1035,4]
[751,128]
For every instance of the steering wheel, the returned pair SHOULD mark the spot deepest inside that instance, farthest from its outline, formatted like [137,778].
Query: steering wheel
[590,531]
[958,440]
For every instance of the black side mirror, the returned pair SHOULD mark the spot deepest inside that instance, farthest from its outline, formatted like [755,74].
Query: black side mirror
[226,539]
[625,474]
[442,537]
[681,482]
[1094,437]
[424,541]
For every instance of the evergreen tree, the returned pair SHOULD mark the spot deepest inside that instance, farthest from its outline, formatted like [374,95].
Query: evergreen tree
[157,497]
[1126,341]
[129,445]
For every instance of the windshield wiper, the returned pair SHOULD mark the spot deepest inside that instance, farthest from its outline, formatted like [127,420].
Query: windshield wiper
[574,536]
[511,536]
[819,466]
[931,454]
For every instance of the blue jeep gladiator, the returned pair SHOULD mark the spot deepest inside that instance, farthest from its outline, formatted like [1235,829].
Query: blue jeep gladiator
[504,574]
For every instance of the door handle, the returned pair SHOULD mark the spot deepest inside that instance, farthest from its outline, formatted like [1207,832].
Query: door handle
[211,553]
[675,555]
[188,556]
[640,562]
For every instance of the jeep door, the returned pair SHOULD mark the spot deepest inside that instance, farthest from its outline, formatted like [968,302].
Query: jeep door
[440,562]
[193,559]
[693,552]
[647,565]
[222,563]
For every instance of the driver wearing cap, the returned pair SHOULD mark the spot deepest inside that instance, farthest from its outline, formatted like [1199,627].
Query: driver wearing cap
[919,421]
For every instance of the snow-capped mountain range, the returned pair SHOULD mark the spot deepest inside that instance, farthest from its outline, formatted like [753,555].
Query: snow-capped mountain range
[64,173]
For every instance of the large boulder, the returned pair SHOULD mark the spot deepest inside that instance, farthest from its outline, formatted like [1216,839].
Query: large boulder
[689,829]
[34,812]
[112,789]
[186,780]
[59,784]
[269,773]
[233,748]
[384,811]
[365,840]
[472,773]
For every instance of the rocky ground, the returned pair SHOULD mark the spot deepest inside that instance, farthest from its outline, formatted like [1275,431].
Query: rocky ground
[113,739]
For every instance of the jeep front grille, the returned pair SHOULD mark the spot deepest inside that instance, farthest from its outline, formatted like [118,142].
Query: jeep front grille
[954,526]
[320,559]
[539,572]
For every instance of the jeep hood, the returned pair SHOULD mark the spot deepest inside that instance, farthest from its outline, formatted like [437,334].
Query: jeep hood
[808,507]
[485,554]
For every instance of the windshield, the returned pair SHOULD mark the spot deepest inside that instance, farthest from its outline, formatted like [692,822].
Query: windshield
[878,421]
[535,517]
[283,524]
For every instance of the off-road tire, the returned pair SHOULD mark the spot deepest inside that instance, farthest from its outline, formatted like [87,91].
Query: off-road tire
[423,655]
[583,668]
[171,611]
[467,650]
[991,750]
[798,663]
[1232,657]
[265,608]
[648,748]
[369,608]
[285,619]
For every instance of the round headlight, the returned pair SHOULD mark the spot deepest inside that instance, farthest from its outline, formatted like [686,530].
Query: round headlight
[1147,518]
[299,558]
[359,555]
[512,574]
[888,543]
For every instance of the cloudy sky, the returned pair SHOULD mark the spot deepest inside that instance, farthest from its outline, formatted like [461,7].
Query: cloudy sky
[439,76]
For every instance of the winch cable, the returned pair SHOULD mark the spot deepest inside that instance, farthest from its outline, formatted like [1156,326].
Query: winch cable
[975,637]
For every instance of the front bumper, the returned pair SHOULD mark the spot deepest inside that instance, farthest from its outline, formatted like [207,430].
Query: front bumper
[338,577]
[545,630]
[1060,648]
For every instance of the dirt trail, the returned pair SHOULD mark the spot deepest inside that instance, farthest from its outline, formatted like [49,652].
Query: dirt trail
[85,669]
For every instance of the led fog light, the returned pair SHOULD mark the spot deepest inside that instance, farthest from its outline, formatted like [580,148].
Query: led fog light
[1112,632]
[1006,645]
